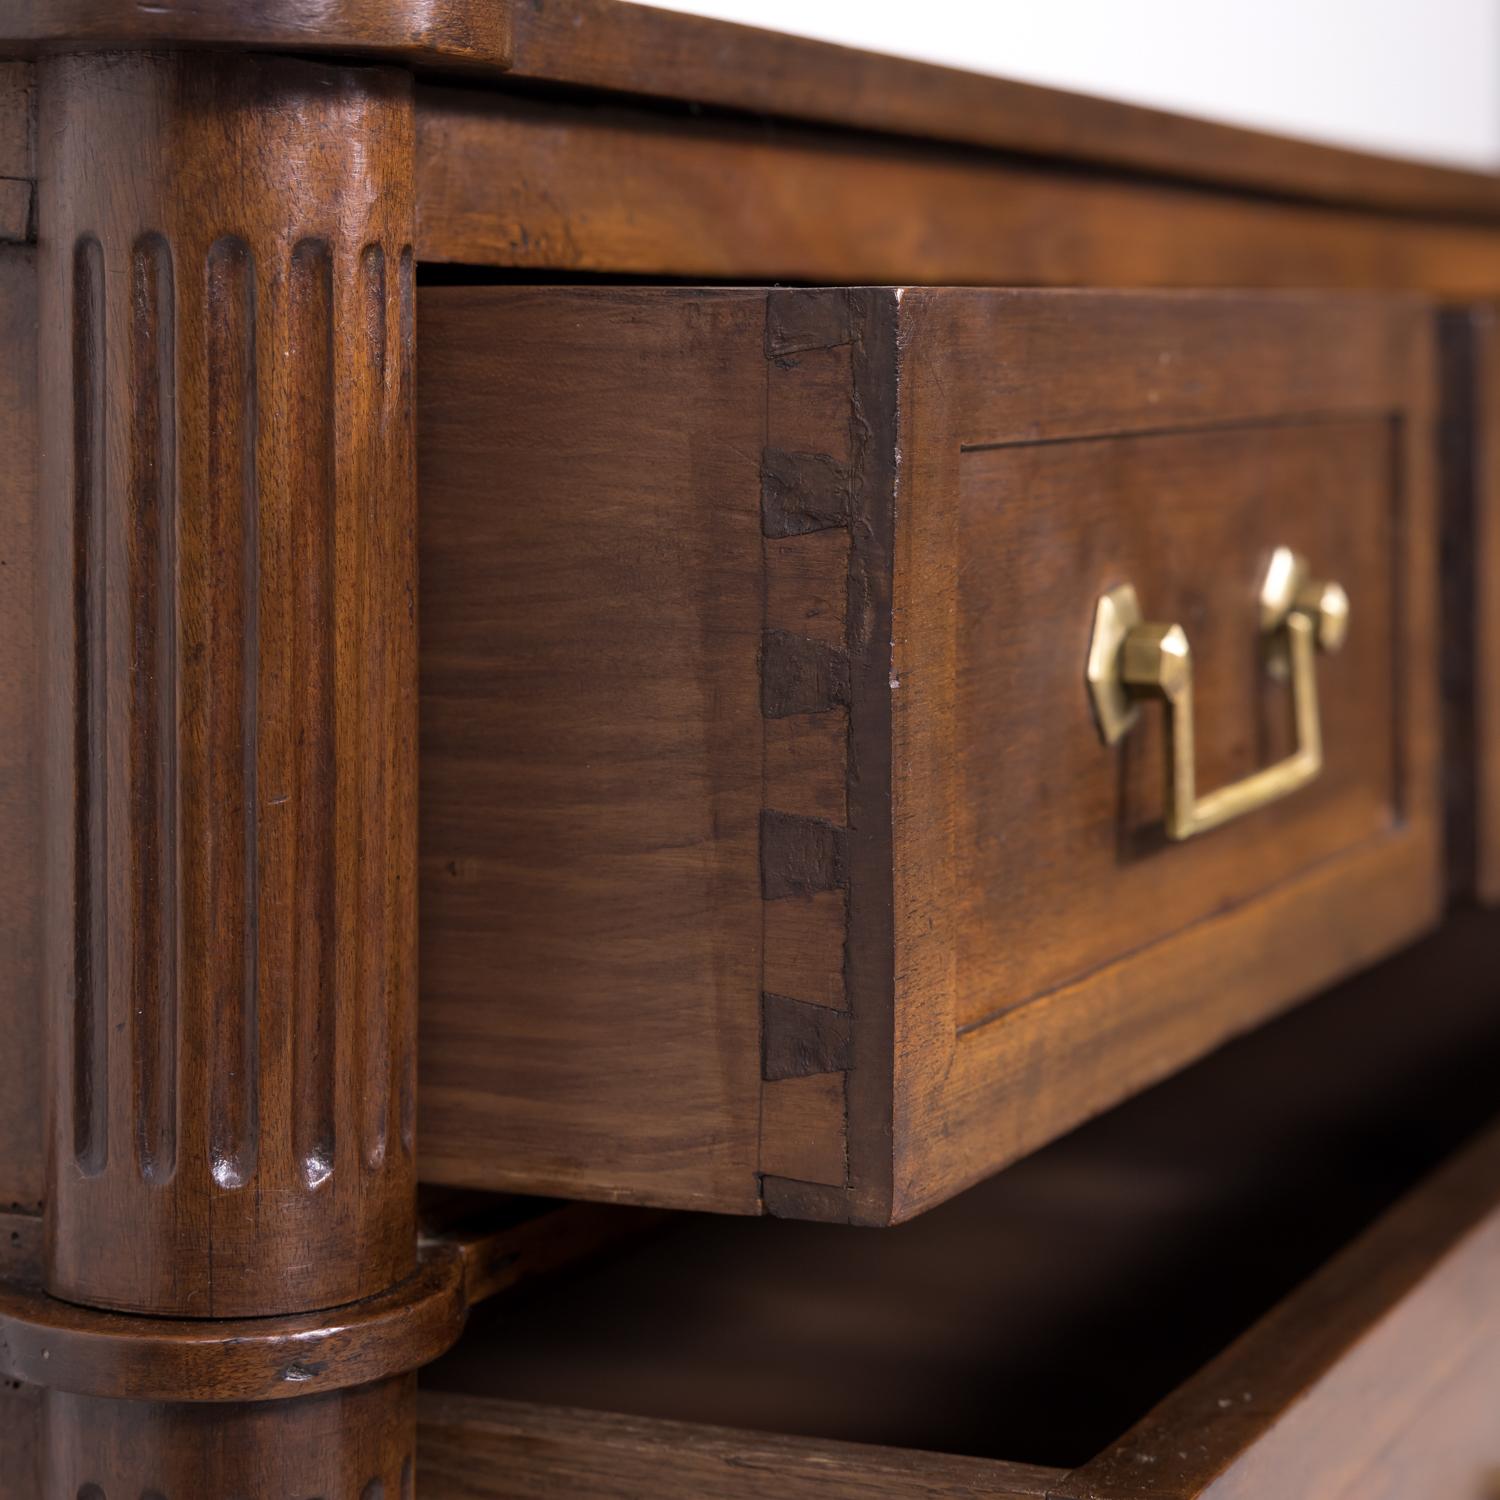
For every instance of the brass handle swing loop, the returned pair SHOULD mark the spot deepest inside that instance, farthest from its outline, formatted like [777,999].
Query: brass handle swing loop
[1130,660]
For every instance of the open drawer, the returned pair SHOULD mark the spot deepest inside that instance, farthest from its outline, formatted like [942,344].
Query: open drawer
[773,857]
[1206,1292]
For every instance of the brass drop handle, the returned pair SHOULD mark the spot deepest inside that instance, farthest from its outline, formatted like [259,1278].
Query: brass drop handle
[1130,660]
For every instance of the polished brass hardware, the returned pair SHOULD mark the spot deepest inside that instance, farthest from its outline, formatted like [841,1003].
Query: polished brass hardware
[1130,660]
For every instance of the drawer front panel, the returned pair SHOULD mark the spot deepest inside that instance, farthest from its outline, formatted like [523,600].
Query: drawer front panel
[1063,862]
[1055,949]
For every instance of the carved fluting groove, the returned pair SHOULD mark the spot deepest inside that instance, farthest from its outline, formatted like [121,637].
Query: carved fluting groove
[90,1091]
[232,973]
[221,683]
[151,508]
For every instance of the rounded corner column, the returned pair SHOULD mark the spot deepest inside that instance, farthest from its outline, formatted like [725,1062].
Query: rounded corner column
[226,295]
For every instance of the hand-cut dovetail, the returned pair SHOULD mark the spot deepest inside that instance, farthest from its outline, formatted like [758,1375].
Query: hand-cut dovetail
[152,772]
[801,319]
[801,493]
[800,676]
[799,856]
[91,761]
[799,1039]
[306,635]
[788,1198]
[222,875]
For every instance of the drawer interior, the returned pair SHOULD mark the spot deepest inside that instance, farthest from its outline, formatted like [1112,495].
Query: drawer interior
[1039,1315]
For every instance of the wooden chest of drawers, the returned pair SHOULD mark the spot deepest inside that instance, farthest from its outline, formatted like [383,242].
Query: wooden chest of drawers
[598,605]
[772,857]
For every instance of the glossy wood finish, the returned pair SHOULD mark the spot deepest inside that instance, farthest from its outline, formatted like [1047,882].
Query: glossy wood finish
[1201,1226]
[503,1242]
[854,175]
[435,33]
[348,1445]
[226,289]
[811,885]
[20,1442]
[122,1355]
[556,186]
[1366,1382]
[1026,496]
[640,918]
[1373,1379]
[633,49]
[480,1448]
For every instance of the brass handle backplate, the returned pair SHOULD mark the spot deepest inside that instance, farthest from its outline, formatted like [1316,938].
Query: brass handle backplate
[1130,660]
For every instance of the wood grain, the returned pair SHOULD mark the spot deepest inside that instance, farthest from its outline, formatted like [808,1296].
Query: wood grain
[811,467]
[17,150]
[591,753]
[459,34]
[472,1448]
[21,1247]
[1038,368]
[124,1356]
[1044,529]
[505,1242]
[1047,951]
[1374,1348]
[22,1069]
[635,49]
[20,1442]
[226,285]
[1066,1300]
[803,957]
[803,1126]
[557,186]
[346,1445]
[621,48]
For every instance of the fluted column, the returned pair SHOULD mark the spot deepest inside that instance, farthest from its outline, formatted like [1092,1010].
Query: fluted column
[226,298]
[227,314]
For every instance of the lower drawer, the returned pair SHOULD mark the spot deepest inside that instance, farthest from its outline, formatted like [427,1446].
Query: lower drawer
[1277,1276]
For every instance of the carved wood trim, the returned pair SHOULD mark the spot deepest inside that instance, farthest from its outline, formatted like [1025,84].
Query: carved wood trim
[226,286]
[124,1356]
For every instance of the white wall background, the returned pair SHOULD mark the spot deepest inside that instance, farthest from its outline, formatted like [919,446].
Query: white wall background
[1416,78]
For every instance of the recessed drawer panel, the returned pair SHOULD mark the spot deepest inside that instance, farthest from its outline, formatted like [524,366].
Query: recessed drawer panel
[867,731]
[1062,849]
